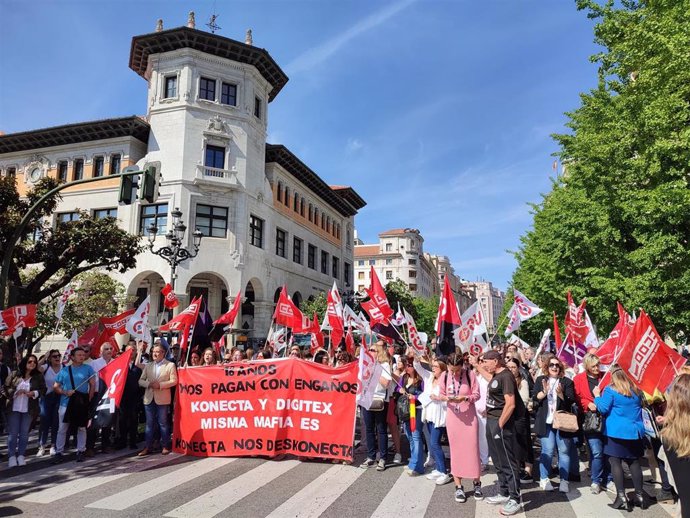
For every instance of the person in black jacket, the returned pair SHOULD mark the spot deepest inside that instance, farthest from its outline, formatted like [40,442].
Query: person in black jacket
[129,405]
[553,392]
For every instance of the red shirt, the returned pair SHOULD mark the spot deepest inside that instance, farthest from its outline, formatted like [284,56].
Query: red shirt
[583,395]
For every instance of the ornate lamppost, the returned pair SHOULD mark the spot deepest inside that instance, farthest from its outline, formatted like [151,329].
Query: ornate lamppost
[174,253]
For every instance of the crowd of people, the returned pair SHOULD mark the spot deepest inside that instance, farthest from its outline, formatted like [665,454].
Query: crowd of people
[496,407]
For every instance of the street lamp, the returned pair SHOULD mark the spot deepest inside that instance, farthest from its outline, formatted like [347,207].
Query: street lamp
[174,253]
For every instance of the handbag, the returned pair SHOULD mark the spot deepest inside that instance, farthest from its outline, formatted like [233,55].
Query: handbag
[592,423]
[565,421]
[77,411]
[377,404]
[402,407]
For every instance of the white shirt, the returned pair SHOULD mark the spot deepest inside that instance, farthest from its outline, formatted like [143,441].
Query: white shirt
[381,390]
[99,363]
[49,375]
[21,402]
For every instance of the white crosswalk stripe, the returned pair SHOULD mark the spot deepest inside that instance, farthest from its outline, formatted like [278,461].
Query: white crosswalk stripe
[398,501]
[587,505]
[137,494]
[225,495]
[490,488]
[73,487]
[312,501]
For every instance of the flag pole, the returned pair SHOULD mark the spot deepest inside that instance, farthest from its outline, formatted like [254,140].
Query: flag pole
[498,327]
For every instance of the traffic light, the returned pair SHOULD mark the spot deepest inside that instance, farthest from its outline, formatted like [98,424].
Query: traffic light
[150,183]
[126,188]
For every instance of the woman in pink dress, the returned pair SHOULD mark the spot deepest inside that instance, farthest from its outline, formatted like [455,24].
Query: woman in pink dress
[459,387]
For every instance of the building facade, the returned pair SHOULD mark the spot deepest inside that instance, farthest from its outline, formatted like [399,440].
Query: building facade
[464,294]
[398,255]
[491,300]
[267,219]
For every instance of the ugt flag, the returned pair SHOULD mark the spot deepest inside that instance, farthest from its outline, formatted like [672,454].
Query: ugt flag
[138,324]
[113,376]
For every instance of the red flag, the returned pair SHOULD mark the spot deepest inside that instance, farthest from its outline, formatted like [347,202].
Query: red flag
[334,316]
[114,375]
[23,315]
[646,359]
[185,319]
[286,313]
[89,336]
[556,332]
[190,319]
[448,318]
[350,342]
[229,317]
[316,335]
[170,301]
[609,350]
[575,324]
[380,310]
[115,325]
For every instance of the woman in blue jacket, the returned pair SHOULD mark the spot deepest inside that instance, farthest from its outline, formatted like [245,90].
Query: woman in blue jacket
[621,406]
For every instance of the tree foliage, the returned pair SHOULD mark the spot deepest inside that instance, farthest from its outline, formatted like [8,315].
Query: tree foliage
[616,225]
[64,250]
[398,292]
[426,311]
[317,305]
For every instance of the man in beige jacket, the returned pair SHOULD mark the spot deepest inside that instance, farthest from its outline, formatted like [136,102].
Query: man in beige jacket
[157,378]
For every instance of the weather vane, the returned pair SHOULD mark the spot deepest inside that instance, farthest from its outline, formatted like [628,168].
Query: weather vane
[212,24]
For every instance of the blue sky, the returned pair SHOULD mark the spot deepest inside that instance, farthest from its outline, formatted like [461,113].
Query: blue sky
[437,112]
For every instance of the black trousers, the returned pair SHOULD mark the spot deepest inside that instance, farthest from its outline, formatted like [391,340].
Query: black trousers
[502,449]
[129,423]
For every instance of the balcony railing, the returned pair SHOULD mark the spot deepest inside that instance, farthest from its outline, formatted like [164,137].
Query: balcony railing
[216,176]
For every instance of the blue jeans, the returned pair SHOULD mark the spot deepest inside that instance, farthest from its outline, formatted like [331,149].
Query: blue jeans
[18,424]
[416,446]
[598,464]
[157,419]
[50,405]
[435,446]
[376,427]
[549,442]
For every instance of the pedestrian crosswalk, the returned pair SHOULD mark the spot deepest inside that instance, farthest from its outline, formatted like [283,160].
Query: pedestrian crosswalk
[181,487]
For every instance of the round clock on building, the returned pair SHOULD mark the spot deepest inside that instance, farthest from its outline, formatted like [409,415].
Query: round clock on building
[35,174]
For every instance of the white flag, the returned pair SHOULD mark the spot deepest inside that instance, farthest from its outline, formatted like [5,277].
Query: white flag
[369,375]
[415,340]
[543,345]
[513,321]
[62,301]
[399,317]
[478,345]
[591,340]
[473,324]
[70,345]
[525,308]
[138,324]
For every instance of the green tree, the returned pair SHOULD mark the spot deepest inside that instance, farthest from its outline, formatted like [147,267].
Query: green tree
[616,225]
[398,292]
[318,305]
[426,311]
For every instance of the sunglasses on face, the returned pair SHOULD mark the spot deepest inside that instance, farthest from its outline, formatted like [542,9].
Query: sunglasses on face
[554,365]
[55,357]
[31,361]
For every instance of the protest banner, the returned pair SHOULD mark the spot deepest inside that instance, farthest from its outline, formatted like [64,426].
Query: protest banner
[274,407]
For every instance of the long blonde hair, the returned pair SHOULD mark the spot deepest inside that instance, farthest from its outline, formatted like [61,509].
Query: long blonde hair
[675,432]
[621,383]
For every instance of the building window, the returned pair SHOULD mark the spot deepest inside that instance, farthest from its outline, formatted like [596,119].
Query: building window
[280,242]
[323,221]
[67,217]
[316,216]
[98,166]
[360,275]
[413,287]
[78,171]
[212,221]
[170,87]
[256,231]
[279,194]
[207,89]
[412,274]
[347,273]
[360,288]
[115,161]
[336,267]
[215,157]
[389,274]
[228,94]
[311,257]
[372,262]
[360,263]
[328,224]
[337,231]
[297,250]
[412,262]
[301,207]
[105,213]
[311,212]
[389,247]
[257,107]
[12,172]
[156,214]
[389,261]
[62,171]
[324,262]
[287,196]
[296,203]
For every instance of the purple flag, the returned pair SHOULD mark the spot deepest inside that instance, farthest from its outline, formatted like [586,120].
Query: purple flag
[571,352]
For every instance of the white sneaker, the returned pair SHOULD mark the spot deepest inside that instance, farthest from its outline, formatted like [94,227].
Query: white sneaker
[52,451]
[21,461]
[564,486]
[429,462]
[443,479]
[397,459]
[611,487]
[545,484]
[434,475]
[41,451]
[12,462]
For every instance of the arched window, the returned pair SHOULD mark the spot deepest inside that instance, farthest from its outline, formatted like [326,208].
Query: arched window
[323,221]
[301,207]
[287,196]
[337,231]
[311,212]
[296,203]
[280,191]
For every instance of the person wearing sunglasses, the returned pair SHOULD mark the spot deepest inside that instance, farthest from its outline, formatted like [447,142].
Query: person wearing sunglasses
[50,404]
[553,391]
[24,387]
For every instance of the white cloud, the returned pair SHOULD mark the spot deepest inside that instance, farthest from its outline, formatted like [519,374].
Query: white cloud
[353,145]
[322,52]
